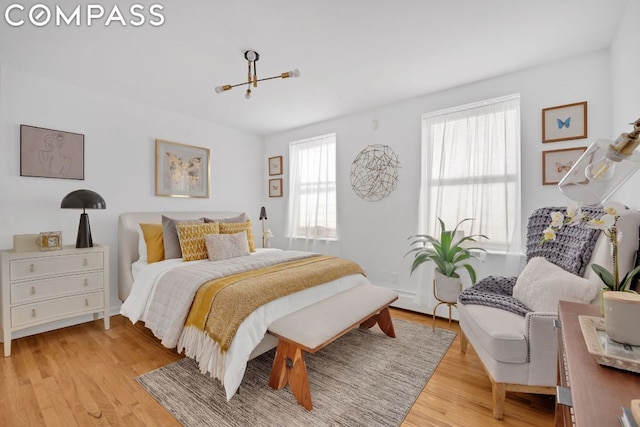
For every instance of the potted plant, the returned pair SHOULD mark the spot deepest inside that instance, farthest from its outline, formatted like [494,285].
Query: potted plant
[448,255]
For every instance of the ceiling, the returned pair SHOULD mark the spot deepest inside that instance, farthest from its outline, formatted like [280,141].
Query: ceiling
[353,54]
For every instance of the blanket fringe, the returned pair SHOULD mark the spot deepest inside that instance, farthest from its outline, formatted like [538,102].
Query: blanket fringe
[197,345]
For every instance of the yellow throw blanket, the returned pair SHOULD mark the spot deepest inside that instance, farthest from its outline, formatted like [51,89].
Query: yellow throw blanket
[221,305]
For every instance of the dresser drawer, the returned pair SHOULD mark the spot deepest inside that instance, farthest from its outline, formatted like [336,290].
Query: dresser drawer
[56,308]
[47,288]
[51,265]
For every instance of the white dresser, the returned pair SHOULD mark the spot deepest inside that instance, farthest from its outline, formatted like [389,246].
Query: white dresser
[42,287]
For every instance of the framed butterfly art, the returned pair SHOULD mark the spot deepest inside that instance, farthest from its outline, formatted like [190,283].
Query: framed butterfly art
[557,163]
[181,170]
[564,122]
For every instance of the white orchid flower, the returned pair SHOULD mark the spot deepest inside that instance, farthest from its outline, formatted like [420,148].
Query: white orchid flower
[615,209]
[557,219]
[605,223]
[574,213]
[549,234]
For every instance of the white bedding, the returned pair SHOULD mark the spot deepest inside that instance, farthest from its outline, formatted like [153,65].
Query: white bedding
[250,333]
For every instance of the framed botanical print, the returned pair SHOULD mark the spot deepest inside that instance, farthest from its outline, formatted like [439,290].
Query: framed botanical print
[557,163]
[181,170]
[275,187]
[275,165]
[564,122]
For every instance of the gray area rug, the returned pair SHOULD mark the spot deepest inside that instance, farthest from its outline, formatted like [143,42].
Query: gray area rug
[363,379]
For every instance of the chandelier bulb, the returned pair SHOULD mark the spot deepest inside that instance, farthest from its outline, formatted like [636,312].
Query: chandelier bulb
[248,94]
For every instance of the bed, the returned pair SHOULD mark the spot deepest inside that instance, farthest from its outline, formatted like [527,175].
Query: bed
[138,284]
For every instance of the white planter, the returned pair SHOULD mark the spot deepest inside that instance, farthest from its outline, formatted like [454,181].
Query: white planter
[446,289]
[622,316]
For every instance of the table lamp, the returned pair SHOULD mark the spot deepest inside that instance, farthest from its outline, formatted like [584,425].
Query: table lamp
[83,199]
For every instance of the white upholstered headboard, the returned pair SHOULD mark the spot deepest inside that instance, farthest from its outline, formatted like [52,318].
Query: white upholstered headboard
[128,239]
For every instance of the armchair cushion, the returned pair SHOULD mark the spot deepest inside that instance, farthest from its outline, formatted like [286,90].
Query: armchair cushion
[542,284]
[500,333]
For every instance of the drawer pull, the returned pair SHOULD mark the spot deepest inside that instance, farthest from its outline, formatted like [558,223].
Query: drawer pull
[33,290]
[86,302]
[557,324]
[33,312]
[85,262]
[86,282]
[563,396]
[32,268]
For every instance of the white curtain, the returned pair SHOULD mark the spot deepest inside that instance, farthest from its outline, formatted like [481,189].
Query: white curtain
[471,169]
[312,207]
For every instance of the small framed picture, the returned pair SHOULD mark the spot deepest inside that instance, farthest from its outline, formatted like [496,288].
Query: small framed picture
[557,163]
[275,187]
[564,122]
[275,165]
[182,170]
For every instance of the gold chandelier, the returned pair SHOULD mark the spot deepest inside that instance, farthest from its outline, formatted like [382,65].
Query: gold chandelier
[252,75]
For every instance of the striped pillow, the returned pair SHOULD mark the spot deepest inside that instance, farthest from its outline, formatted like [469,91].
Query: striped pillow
[191,236]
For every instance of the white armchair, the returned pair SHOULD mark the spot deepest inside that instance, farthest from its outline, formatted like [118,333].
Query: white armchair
[519,352]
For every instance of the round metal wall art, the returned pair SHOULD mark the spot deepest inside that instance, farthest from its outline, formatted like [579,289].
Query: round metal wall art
[374,172]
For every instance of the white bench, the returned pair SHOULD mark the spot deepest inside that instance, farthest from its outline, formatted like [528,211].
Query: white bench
[314,327]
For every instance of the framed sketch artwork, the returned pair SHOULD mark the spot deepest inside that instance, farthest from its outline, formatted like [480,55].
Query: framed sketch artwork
[275,187]
[275,165]
[181,170]
[556,163]
[51,153]
[564,122]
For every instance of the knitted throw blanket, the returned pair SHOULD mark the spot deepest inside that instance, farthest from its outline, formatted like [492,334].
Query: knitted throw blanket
[571,251]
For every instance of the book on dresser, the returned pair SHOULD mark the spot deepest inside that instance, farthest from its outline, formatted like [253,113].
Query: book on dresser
[43,287]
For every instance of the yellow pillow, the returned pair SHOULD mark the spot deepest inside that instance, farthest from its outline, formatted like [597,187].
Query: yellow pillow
[155,243]
[237,227]
[191,236]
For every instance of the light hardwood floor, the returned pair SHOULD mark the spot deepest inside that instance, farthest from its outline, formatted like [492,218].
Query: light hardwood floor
[85,376]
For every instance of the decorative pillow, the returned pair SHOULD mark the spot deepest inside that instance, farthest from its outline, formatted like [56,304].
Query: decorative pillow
[240,218]
[142,246]
[237,227]
[225,246]
[191,237]
[154,243]
[170,236]
[542,284]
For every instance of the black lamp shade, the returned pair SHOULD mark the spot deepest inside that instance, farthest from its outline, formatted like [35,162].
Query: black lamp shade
[263,213]
[83,199]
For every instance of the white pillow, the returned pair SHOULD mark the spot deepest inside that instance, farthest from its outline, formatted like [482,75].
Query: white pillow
[225,246]
[542,284]
[142,246]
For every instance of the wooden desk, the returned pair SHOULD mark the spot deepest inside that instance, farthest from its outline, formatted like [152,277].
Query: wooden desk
[598,392]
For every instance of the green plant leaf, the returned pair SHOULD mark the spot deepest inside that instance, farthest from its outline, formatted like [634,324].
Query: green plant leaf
[625,284]
[605,275]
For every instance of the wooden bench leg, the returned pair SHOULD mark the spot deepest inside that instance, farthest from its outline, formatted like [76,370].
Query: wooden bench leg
[289,368]
[383,319]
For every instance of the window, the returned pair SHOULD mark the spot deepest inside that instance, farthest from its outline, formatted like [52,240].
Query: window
[312,188]
[471,169]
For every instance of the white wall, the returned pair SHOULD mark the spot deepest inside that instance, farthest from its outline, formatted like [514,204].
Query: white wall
[375,233]
[119,161]
[625,108]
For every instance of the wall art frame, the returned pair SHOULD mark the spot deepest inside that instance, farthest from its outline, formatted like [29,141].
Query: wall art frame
[275,187]
[275,165]
[50,153]
[557,163]
[564,122]
[182,170]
